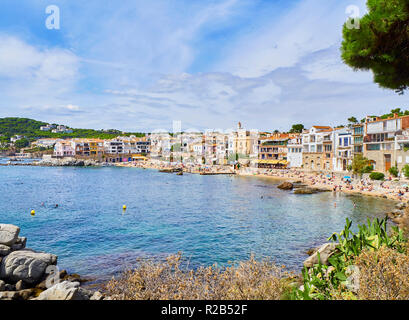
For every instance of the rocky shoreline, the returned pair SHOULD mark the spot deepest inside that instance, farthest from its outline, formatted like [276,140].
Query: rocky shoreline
[26,274]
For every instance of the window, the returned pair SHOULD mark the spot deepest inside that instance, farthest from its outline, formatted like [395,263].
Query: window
[373,147]
[346,142]
[399,159]
[407,159]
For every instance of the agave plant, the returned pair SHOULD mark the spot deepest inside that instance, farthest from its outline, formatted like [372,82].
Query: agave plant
[320,280]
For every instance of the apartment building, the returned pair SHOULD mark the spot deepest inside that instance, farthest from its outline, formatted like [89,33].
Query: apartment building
[317,148]
[217,148]
[382,136]
[114,146]
[343,149]
[88,147]
[358,131]
[295,151]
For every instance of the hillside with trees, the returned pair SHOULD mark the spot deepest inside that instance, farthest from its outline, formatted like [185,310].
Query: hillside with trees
[30,128]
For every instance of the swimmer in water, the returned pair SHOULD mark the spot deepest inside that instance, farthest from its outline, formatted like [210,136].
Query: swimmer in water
[56,205]
[335,204]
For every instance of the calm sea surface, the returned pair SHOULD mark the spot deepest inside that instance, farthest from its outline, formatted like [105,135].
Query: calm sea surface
[209,218]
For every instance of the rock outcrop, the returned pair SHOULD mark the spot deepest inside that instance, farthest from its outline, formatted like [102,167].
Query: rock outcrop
[23,273]
[26,265]
[286,186]
[325,251]
[8,234]
[309,190]
[67,162]
[65,291]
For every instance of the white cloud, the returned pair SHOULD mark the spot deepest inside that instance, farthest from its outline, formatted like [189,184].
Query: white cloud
[312,25]
[72,107]
[21,61]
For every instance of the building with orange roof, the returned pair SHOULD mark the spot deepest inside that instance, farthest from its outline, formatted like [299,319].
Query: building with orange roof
[273,150]
[317,150]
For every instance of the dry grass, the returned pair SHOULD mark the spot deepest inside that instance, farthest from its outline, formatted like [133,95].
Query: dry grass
[384,275]
[249,280]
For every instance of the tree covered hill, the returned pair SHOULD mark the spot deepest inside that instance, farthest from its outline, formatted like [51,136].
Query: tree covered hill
[31,130]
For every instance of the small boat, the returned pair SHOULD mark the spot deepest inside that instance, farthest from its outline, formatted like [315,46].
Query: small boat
[180,173]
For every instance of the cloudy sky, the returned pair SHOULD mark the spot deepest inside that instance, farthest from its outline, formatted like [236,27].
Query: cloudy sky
[138,65]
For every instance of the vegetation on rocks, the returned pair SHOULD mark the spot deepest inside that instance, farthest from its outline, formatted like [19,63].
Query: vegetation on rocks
[169,280]
[369,264]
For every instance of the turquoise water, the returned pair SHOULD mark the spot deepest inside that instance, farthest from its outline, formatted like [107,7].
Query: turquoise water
[209,218]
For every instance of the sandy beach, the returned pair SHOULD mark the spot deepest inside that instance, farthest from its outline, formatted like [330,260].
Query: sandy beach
[393,189]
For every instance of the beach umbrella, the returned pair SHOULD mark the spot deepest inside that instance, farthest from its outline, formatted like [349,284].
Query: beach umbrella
[405,186]
[328,176]
[347,177]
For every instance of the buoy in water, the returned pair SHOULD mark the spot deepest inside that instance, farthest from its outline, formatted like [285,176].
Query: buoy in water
[124,207]
[33,213]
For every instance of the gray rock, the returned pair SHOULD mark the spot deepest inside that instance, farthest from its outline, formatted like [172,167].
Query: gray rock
[8,234]
[325,251]
[26,265]
[22,241]
[4,250]
[17,246]
[63,291]
[2,285]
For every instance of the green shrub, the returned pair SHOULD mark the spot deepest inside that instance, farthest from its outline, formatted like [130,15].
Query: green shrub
[405,171]
[323,282]
[394,171]
[367,169]
[377,176]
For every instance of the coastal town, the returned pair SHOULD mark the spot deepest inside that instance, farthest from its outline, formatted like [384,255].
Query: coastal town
[383,141]
[320,156]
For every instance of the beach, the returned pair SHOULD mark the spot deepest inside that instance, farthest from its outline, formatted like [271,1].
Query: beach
[392,189]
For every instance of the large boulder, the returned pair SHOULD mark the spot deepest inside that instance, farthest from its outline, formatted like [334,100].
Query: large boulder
[26,265]
[325,251]
[8,234]
[64,291]
[286,186]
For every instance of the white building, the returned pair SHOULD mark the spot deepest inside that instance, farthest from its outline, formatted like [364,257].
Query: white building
[294,153]
[45,142]
[114,146]
[343,149]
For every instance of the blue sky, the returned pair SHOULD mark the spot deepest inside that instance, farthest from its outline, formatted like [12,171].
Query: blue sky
[139,65]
